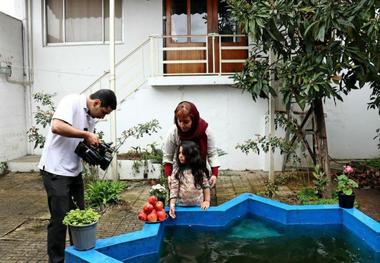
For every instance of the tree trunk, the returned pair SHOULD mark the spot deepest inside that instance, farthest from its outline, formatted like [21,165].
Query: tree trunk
[321,141]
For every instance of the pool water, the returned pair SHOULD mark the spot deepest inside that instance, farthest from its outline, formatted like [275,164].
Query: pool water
[258,240]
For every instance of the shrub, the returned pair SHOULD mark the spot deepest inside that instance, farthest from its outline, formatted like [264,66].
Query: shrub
[320,181]
[102,192]
[367,173]
[45,110]
[308,196]
[270,189]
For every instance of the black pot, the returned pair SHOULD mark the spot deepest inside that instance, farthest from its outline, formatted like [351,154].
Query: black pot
[346,201]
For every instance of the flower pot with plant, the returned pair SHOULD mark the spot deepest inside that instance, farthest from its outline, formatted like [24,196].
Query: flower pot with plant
[345,188]
[82,226]
[320,181]
[141,163]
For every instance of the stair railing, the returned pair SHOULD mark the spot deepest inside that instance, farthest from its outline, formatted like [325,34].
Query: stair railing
[131,72]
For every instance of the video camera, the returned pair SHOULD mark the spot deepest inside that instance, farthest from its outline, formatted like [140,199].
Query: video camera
[96,155]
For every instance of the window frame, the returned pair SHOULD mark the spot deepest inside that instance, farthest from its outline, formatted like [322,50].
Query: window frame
[81,43]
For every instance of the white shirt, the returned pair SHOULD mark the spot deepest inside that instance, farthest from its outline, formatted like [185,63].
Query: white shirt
[58,156]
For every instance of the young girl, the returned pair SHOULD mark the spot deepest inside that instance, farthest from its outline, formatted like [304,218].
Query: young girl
[189,185]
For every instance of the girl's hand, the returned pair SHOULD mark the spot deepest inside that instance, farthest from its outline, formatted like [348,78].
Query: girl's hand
[172,211]
[205,205]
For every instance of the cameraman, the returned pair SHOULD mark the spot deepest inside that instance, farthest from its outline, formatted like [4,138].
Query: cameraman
[72,122]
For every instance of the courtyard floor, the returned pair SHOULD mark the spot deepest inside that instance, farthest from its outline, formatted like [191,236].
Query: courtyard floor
[24,214]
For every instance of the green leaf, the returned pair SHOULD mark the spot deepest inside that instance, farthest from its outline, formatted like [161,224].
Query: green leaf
[310,27]
[321,33]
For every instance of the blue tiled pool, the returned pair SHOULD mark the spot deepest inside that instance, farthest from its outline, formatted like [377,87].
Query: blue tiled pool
[131,246]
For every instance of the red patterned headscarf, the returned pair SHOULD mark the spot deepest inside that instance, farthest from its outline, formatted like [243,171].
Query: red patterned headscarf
[197,132]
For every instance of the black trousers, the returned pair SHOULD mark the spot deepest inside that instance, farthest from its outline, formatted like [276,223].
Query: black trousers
[64,193]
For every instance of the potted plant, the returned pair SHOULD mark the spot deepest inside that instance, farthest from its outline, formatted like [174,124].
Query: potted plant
[159,191]
[141,163]
[82,226]
[345,188]
[320,181]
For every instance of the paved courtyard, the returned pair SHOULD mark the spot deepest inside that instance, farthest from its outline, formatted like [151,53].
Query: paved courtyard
[24,214]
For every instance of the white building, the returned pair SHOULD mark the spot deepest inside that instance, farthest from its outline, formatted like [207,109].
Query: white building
[63,48]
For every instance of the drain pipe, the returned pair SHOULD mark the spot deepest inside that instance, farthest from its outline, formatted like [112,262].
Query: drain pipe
[29,70]
[114,175]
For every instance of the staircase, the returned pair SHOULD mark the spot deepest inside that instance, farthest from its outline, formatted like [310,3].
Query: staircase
[131,73]
[25,164]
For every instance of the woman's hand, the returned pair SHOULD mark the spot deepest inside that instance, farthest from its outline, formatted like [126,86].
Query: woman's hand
[205,205]
[212,181]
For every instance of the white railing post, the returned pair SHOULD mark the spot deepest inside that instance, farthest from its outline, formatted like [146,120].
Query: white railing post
[213,53]
[152,56]
[143,63]
[207,71]
[113,127]
[220,55]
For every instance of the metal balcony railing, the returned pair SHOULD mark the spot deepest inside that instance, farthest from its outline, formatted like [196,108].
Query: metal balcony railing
[213,48]
[150,58]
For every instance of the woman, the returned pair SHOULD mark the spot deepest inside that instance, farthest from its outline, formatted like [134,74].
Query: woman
[190,127]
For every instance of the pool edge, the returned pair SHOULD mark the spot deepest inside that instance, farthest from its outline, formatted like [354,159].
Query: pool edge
[106,250]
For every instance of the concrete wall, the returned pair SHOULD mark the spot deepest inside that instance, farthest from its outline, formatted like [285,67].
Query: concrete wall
[351,127]
[231,114]
[13,141]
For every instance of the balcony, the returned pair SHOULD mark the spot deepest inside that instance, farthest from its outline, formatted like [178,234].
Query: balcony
[212,58]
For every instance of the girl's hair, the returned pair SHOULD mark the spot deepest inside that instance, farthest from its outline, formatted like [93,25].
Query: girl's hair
[193,161]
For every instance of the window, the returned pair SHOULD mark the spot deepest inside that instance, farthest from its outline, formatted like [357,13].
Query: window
[76,21]
[189,18]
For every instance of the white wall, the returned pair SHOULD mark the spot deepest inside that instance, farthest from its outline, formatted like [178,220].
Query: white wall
[351,126]
[14,8]
[233,115]
[67,68]
[13,139]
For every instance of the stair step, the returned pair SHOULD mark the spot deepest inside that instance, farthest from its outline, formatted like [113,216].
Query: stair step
[27,163]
